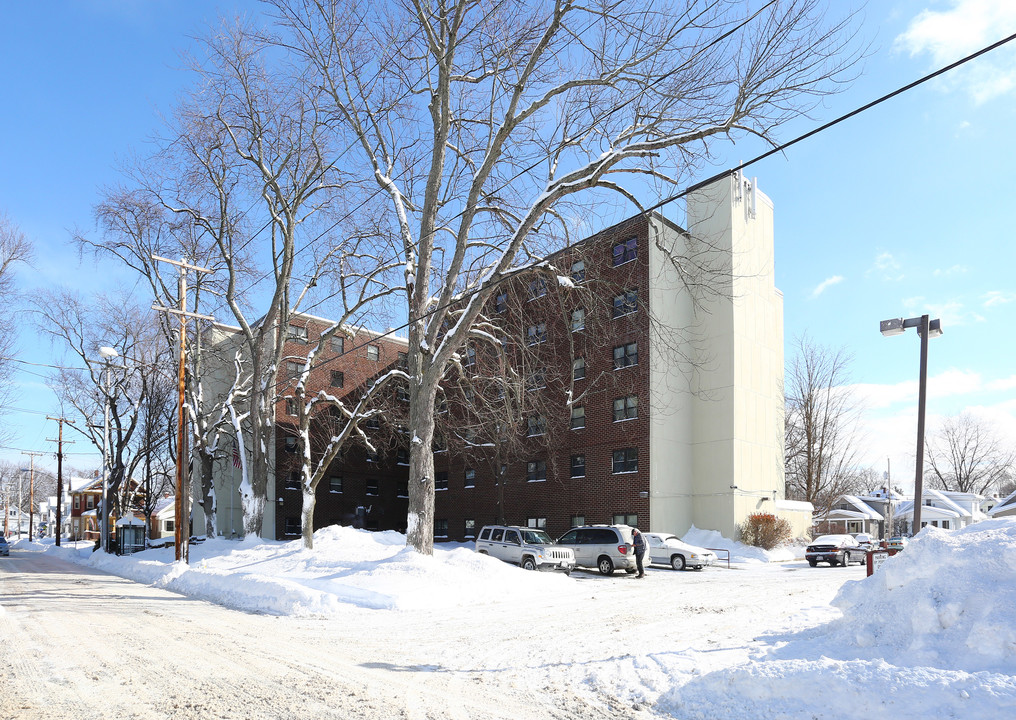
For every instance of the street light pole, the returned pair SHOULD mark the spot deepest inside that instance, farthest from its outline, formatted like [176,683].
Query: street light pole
[107,354]
[925,328]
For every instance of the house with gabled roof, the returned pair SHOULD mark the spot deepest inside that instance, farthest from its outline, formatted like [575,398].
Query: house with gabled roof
[854,514]
[1006,507]
[945,509]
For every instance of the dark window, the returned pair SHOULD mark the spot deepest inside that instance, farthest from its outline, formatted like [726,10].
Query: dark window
[293,481]
[536,334]
[373,424]
[372,456]
[293,370]
[441,528]
[501,302]
[497,535]
[624,251]
[578,466]
[470,479]
[402,488]
[578,271]
[536,470]
[578,369]
[537,288]
[402,363]
[290,406]
[626,303]
[335,483]
[536,426]
[578,319]
[626,355]
[338,378]
[626,408]
[402,393]
[373,352]
[570,538]
[469,527]
[292,526]
[372,485]
[470,356]
[537,380]
[402,456]
[539,523]
[578,417]
[441,480]
[338,344]
[577,520]
[625,461]
[296,333]
[290,444]
[627,519]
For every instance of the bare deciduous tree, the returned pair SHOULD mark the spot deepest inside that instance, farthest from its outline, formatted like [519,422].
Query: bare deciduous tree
[14,248]
[966,455]
[820,456]
[484,124]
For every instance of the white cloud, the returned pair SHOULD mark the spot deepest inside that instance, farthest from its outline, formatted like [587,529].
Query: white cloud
[825,284]
[949,383]
[954,270]
[993,298]
[967,26]
[886,267]
[952,313]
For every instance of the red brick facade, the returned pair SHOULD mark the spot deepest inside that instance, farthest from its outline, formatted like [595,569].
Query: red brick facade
[613,293]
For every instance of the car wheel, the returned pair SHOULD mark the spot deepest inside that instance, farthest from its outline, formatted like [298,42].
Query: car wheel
[813,563]
[677,562]
[605,565]
[846,560]
[528,563]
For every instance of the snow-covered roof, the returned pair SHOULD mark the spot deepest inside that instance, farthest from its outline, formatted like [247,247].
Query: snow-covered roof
[77,484]
[130,521]
[1007,503]
[163,504]
[796,505]
[861,510]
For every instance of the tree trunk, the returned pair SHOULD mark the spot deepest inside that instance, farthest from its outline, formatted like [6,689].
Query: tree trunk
[420,520]
[208,501]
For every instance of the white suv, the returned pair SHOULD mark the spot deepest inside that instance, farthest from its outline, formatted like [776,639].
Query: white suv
[528,548]
[604,547]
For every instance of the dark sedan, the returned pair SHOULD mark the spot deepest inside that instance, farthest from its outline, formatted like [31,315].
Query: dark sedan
[5,549]
[835,550]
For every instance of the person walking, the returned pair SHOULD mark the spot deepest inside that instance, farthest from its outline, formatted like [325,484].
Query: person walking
[639,541]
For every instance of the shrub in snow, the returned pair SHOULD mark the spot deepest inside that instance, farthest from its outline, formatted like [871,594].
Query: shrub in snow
[765,531]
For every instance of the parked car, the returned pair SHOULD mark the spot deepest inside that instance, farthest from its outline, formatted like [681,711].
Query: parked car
[528,548]
[604,547]
[5,549]
[666,549]
[835,550]
[864,540]
[897,542]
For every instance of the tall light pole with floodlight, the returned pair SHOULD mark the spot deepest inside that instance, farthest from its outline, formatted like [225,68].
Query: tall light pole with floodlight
[107,354]
[925,329]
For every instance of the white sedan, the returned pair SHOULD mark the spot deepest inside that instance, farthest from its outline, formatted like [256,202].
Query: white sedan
[665,549]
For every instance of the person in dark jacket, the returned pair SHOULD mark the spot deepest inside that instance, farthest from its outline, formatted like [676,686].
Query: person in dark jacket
[639,541]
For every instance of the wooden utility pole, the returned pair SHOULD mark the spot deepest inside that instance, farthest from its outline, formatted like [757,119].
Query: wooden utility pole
[31,492]
[182,485]
[59,473]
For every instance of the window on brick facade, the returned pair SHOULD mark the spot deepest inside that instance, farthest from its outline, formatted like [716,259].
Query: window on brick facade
[293,370]
[402,456]
[536,334]
[537,523]
[578,369]
[90,502]
[578,271]
[335,484]
[441,528]
[402,394]
[578,417]
[402,361]
[290,442]
[337,378]
[292,526]
[625,461]
[372,486]
[470,478]
[291,406]
[626,519]
[293,480]
[470,356]
[537,425]
[372,456]
[373,352]
[624,251]
[441,480]
[402,487]
[296,333]
[501,302]
[536,470]
[77,502]
[578,465]
[626,303]
[578,319]
[469,395]
[577,521]
[626,355]
[537,380]
[469,527]
[338,344]
[439,443]
[537,288]
[373,424]
[626,408]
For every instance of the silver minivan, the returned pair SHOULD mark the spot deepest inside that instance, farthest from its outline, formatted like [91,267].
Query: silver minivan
[604,547]
[529,548]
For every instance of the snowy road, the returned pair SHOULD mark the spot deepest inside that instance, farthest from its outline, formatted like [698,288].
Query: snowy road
[82,643]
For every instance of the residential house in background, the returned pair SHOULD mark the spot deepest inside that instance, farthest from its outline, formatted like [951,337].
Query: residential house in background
[943,509]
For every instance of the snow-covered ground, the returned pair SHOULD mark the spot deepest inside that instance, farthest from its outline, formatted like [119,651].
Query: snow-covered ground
[933,633]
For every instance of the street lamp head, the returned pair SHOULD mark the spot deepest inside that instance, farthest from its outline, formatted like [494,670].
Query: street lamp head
[893,326]
[934,328]
[108,353]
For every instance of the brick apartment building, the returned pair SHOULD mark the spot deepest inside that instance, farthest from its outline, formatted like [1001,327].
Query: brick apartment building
[626,389]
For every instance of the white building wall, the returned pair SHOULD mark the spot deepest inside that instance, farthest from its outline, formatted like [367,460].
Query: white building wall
[717,444]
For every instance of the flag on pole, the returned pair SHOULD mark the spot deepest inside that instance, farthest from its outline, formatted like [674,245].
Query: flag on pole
[236,456]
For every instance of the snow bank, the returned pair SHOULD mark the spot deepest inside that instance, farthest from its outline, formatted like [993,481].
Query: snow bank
[346,567]
[739,553]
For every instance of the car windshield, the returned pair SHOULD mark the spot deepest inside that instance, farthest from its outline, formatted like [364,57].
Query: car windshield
[829,540]
[536,537]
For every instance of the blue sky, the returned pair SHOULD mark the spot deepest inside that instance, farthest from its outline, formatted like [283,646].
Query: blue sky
[902,210]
